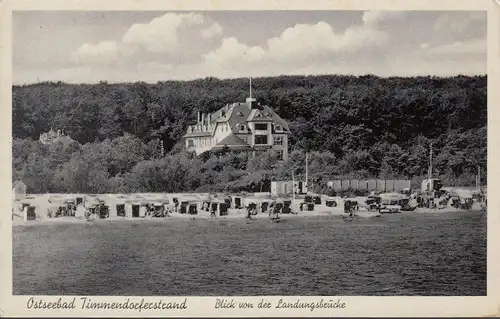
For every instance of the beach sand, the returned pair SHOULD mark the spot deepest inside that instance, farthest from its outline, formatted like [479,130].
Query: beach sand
[41,202]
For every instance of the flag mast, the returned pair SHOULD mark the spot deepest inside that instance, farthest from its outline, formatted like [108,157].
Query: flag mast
[307,181]
[430,163]
[250,87]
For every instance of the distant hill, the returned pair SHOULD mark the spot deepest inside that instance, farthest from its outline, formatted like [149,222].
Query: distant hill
[379,126]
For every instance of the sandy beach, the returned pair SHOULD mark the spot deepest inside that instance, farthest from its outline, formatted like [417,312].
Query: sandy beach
[42,202]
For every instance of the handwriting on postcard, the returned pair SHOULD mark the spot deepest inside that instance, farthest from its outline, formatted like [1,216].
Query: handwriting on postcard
[88,304]
[283,304]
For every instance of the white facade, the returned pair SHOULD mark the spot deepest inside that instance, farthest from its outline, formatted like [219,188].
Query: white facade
[288,187]
[52,136]
[19,190]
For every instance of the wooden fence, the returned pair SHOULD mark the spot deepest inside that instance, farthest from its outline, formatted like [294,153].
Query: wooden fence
[382,185]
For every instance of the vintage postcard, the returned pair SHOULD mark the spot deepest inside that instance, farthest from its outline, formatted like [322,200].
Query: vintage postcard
[256,159]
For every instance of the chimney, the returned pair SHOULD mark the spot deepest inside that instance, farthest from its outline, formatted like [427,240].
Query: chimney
[58,133]
[202,119]
[251,102]
[209,118]
[198,118]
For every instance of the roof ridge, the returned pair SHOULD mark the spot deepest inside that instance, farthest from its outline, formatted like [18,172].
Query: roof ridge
[232,136]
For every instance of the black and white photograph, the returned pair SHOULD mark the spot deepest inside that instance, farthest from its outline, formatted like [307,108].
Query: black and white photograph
[249,153]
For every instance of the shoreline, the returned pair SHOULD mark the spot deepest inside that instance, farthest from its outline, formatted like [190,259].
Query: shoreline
[205,217]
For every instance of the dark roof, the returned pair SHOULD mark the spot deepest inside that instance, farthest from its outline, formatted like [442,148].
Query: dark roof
[234,111]
[198,134]
[239,113]
[258,115]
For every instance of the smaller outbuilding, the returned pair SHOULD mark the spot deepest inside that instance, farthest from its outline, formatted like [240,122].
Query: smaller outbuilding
[19,190]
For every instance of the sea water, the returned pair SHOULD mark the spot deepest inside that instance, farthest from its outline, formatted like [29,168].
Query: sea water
[401,254]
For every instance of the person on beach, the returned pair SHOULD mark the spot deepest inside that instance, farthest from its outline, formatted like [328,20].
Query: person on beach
[250,209]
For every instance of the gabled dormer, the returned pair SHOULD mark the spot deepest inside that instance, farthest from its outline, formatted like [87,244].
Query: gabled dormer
[242,128]
[277,128]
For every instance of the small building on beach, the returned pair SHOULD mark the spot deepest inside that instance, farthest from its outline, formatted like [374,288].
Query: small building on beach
[288,187]
[19,190]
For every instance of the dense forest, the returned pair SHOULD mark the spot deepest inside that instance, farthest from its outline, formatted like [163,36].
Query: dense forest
[352,127]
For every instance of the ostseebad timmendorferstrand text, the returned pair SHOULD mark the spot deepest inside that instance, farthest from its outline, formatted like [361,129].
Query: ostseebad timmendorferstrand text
[87,303]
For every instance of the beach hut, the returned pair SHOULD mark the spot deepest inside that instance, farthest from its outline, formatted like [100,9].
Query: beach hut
[219,207]
[264,205]
[143,209]
[279,205]
[237,202]
[19,190]
[228,201]
[69,207]
[79,200]
[214,207]
[317,200]
[287,207]
[223,209]
[29,213]
[206,205]
[24,205]
[158,209]
[192,209]
[330,202]
[252,209]
[120,210]
[80,212]
[136,210]
[183,207]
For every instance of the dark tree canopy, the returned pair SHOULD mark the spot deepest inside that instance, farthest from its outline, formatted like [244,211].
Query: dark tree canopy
[352,126]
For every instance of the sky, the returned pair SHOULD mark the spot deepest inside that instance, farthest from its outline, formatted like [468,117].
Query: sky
[151,46]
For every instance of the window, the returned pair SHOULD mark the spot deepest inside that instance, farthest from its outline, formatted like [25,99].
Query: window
[260,139]
[190,143]
[278,140]
[239,114]
[278,128]
[243,127]
[261,126]
[279,156]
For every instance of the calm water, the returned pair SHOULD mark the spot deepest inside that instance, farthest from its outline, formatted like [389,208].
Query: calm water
[405,254]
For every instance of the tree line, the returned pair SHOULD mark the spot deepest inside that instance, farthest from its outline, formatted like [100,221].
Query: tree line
[352,127]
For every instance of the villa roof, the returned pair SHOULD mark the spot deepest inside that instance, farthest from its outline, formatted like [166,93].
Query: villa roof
[257,115]
[241,113]
[233,141]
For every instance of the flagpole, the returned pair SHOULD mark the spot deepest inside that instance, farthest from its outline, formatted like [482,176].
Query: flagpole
[250,87]
[478,178]
[307,184]
[430,164]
